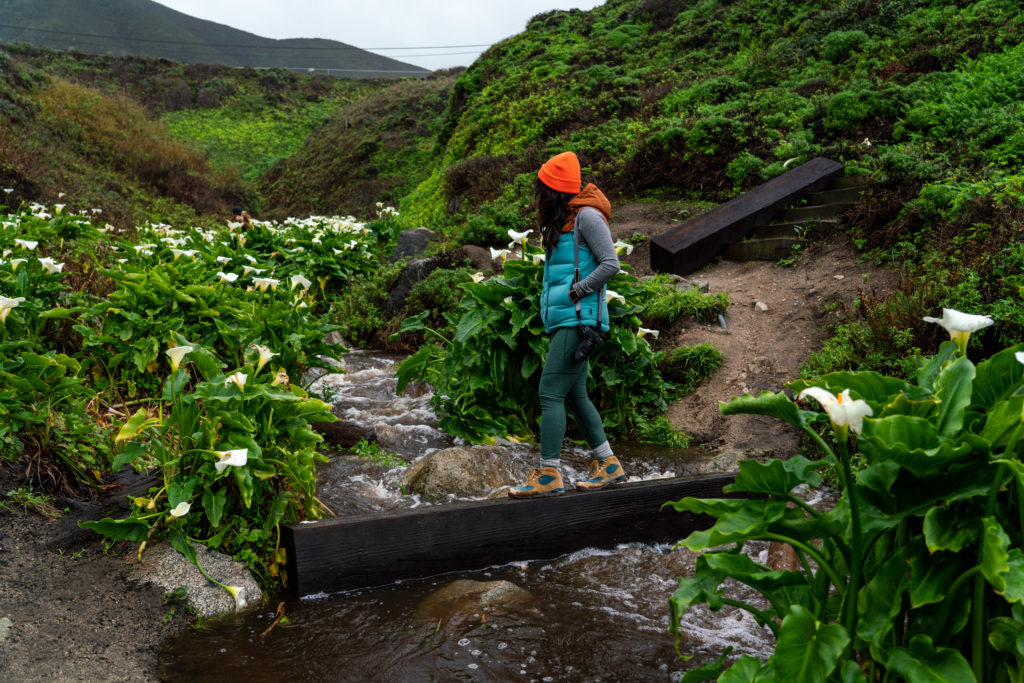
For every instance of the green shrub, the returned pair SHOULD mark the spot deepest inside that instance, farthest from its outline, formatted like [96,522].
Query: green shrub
[665,304]
[688,366]
[838,45]
[743,167]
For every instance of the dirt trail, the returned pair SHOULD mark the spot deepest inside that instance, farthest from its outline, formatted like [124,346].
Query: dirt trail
[778,317]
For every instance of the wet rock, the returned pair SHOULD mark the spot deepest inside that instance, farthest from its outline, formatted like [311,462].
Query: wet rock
[460,470]
[166,568]
[344,434]
[412,243]
[413,273]
[465,598]
[409,441]
[479,258]
[782,557]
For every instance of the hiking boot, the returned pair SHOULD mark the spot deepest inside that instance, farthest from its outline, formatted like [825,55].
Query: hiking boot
[543,481]
[602,473]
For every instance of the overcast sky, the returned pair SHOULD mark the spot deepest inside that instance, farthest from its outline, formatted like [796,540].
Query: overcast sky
[430,26]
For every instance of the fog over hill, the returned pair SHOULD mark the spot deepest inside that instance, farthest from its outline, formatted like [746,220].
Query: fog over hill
[144,27]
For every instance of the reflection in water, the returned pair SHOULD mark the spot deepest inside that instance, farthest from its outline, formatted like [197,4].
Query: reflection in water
[593,615]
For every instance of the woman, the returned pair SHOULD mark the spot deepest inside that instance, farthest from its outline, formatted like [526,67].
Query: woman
[567,216]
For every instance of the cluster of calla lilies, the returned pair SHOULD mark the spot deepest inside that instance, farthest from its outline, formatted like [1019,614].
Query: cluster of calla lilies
[521,239]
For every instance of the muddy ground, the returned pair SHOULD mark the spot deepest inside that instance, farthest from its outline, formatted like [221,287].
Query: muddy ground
[68,612]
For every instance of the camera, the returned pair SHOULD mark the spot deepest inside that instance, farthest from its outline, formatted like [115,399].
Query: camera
[590,339]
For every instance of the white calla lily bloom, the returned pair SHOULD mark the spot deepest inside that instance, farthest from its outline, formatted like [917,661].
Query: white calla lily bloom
[643,332]
[960,325]
[300,280]
[280,378]
[503,254]
[236,458]
[539,259]
[26,244]
[263,282]
[621,246]
[191,253]
[478,276]
[227,278]
[236,593]
[181,509]
[520,237]
[238,379]
[224,259]
[1019,355]
[6,305]
[265,355]
[15,262]
[176,354]
[842,410]
[609,296]
[51,266]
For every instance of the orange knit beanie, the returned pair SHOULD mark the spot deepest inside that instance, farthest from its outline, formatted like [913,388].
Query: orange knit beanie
[562,173]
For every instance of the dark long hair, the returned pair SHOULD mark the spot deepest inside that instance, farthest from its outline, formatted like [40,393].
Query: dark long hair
[552,212]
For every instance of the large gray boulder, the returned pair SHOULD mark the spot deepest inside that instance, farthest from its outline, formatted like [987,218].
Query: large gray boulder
[461,470]
[412,243]
[163,566]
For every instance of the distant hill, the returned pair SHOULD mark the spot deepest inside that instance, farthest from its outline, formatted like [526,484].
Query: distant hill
[144,27]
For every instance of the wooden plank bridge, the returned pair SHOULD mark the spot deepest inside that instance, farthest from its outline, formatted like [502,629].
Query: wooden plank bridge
[344,553]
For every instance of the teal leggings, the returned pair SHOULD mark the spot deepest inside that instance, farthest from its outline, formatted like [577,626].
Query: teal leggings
[564,382]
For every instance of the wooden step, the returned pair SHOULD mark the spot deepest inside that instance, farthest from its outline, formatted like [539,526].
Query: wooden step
[370,550]
[840,182]
[698,241]
[806,229]
[761,249]
[839,195]
[813,212]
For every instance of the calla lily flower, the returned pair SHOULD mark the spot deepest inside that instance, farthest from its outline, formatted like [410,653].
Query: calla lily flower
[539,259]
[176,354]
[265,355]
[224,259]
[960,325]
[520,237]
[1019,355]
[15,262]
[6,305]
[842,410]
[236,458]
[227,277]
[263,282]
[609,296]
[51,266]
[191,253]
[503,254]
[238,379]
[236,593]
[478,277]
[249,269]
[280,378]
[507,299]
[300,280]
[643,331]
[26,244]
[181,509]
[621,246]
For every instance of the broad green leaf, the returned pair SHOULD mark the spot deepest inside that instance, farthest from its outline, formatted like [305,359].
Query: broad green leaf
[808,651]
[707,672]
[213,504]
[135,424]
[875,388]
[881,599]
[746,669]
[179,491]
[997,378]
[1002,421]
[946,528]
[922,662]
[700,588]
[132,451]
[953,389]
[1002,565]
[128,529]
[738,520]
[1006,635]
[768,403]
[57,313]
[929,371]
[777,477]
[851,673]
[183,545]
[931,576]
[276,511]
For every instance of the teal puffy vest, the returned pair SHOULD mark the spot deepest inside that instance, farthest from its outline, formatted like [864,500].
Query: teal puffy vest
[555,308]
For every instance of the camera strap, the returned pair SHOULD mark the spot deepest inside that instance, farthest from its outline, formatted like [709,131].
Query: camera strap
[576,274]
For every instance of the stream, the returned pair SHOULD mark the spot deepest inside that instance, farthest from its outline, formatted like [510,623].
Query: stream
[593,615]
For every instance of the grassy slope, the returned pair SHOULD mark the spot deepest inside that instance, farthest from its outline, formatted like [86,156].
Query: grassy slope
[143,27]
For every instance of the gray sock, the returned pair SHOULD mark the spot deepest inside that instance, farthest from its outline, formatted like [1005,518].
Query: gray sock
[602,451]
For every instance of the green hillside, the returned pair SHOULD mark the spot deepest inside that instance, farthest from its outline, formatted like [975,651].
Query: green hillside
[146,28]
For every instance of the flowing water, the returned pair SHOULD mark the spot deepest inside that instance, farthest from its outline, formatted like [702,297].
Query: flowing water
[594,615]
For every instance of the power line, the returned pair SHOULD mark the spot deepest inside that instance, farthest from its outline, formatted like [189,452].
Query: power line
[340,46]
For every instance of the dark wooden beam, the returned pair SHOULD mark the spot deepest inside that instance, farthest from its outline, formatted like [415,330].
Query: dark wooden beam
[698,241]
[369,550]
